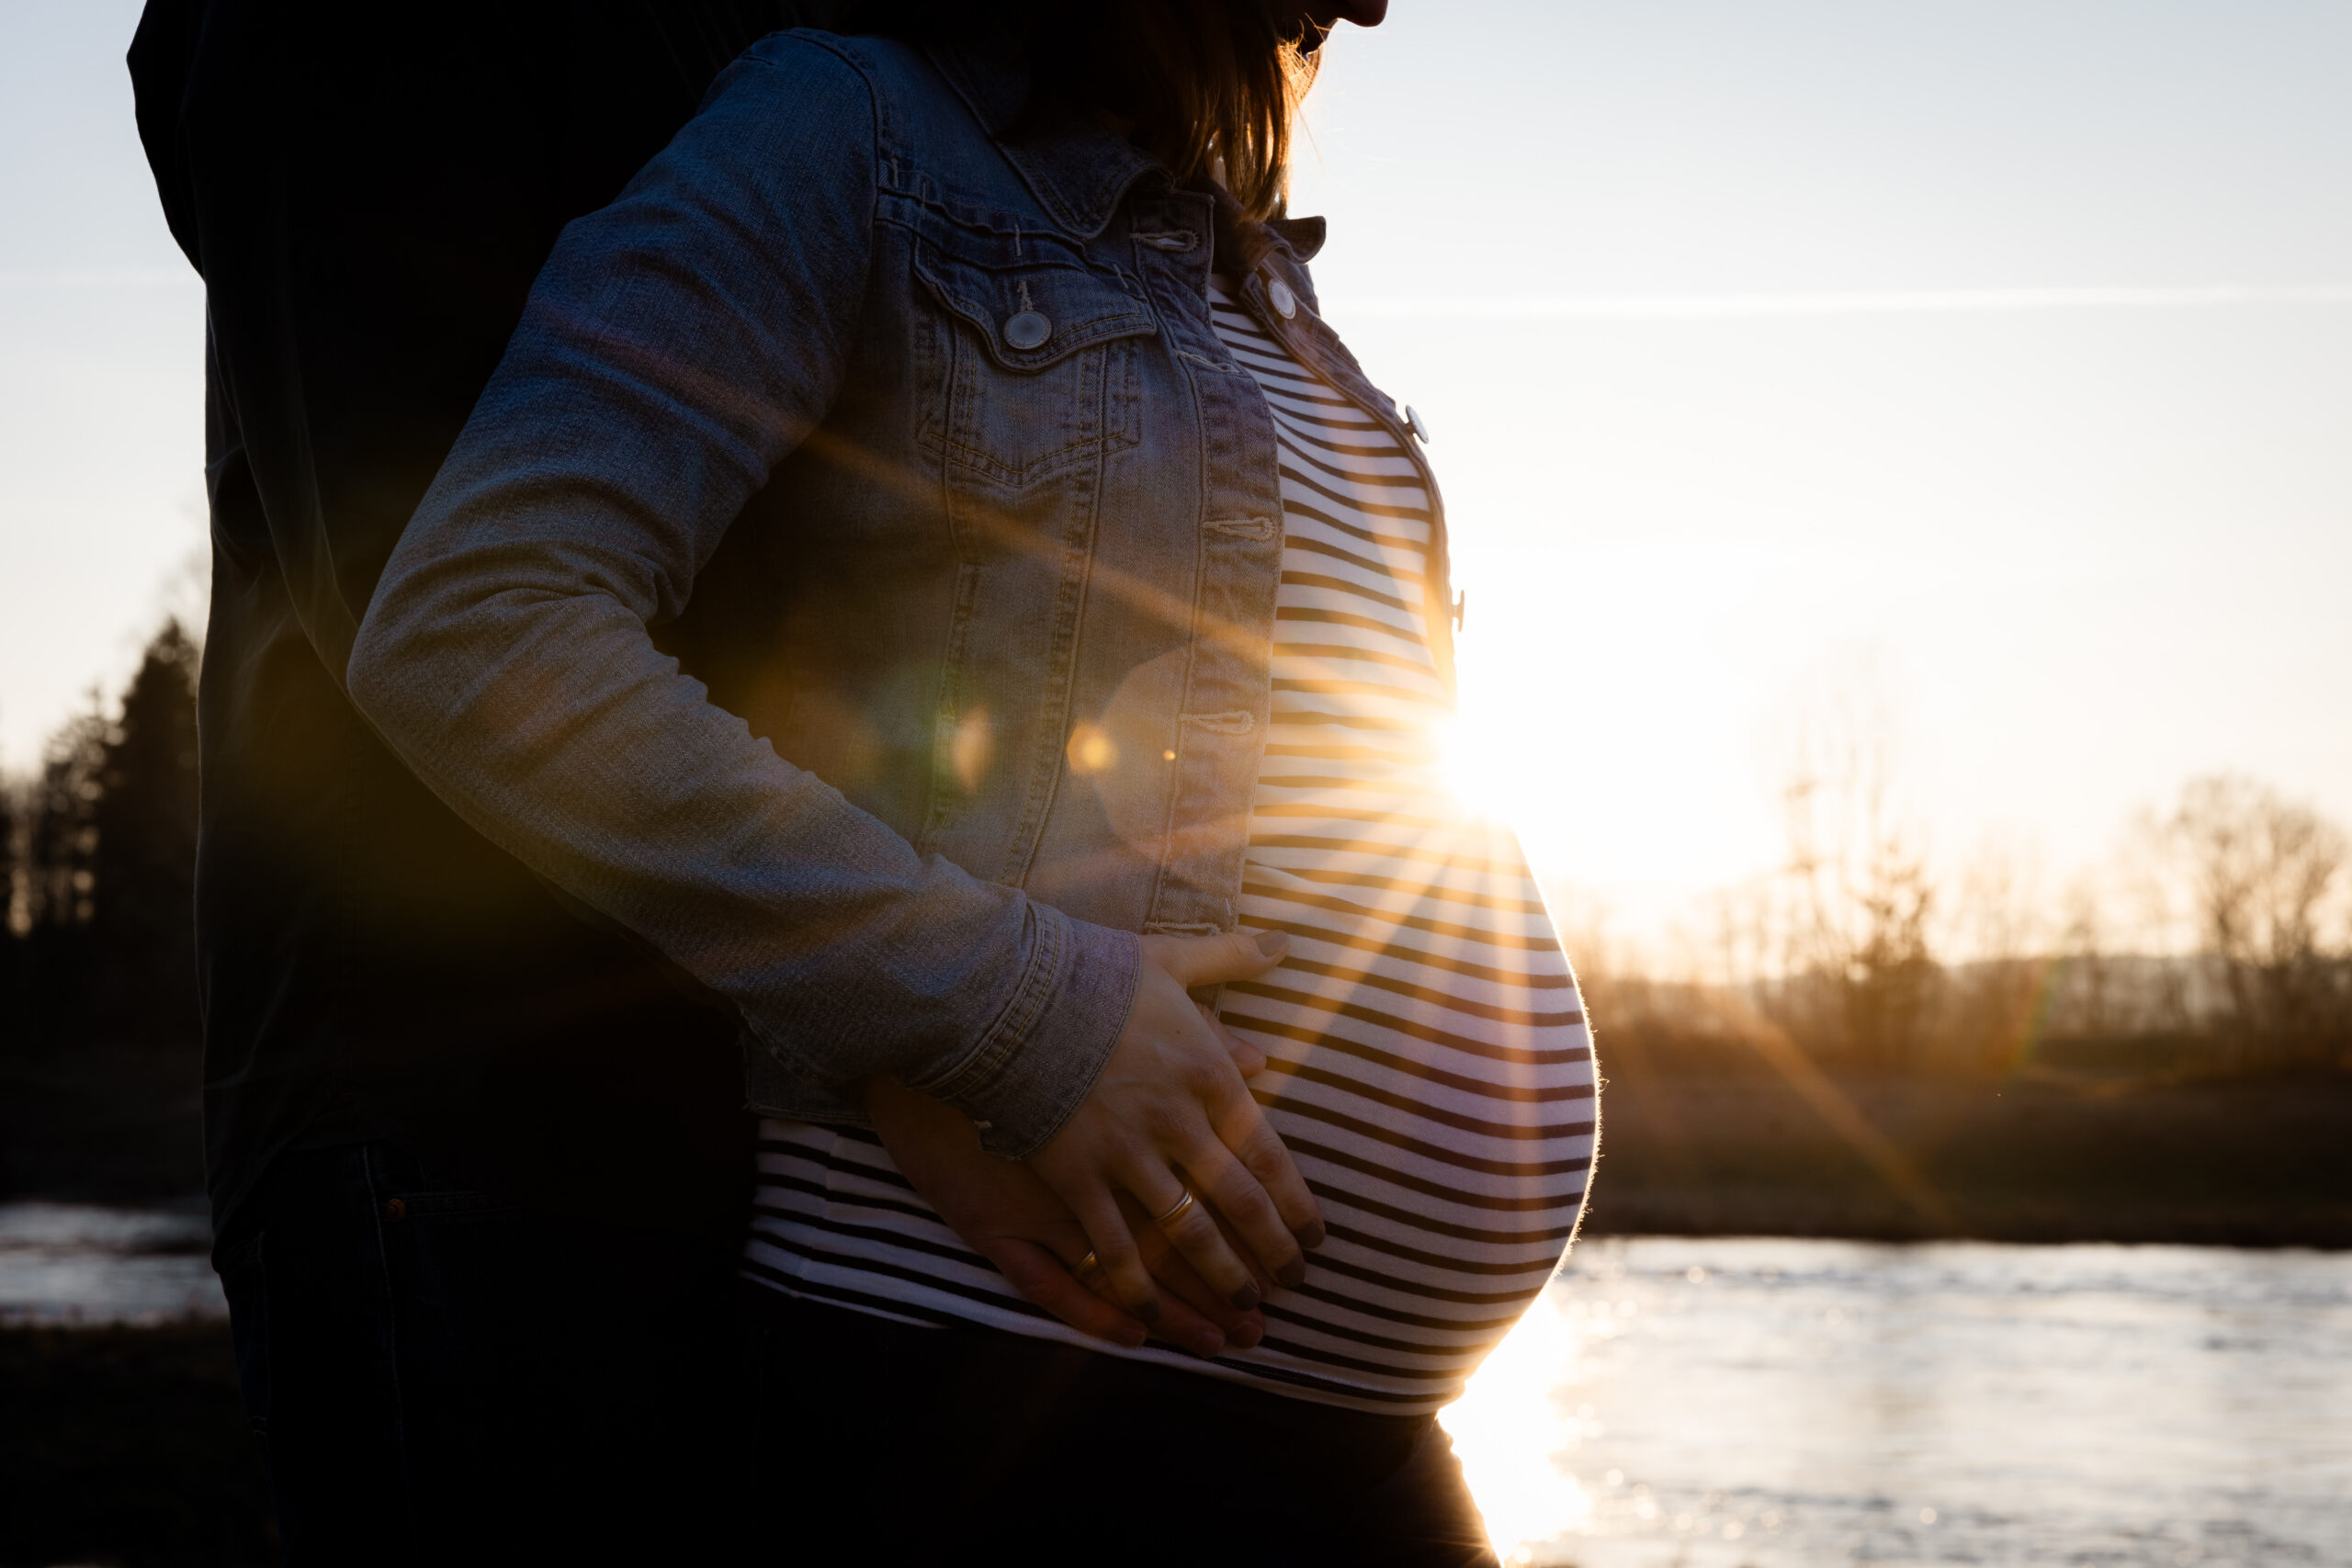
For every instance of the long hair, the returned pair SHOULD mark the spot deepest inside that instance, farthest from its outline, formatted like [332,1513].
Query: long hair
[1210,86]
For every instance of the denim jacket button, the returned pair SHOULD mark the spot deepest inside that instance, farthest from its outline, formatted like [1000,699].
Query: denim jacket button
[1285,303]
[1027,329]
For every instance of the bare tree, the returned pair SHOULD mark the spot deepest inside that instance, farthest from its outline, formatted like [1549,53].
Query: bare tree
[1992,1006]
[1860,898]
[2262,873]
[2084,999]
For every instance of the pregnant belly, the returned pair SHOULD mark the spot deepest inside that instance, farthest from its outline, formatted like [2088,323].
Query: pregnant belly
[1430,1070]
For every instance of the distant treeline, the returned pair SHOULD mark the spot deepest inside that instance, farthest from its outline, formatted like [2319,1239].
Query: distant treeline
[2243,959]
[1836,956]
[98,855]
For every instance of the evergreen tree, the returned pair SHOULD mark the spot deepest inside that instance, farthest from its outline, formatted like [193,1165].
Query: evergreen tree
[55,974]
[107,867]
[141,912]
[8,931]
[11,945]
[62,840]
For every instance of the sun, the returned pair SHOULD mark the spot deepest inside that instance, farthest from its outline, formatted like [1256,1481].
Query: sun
[1487,767]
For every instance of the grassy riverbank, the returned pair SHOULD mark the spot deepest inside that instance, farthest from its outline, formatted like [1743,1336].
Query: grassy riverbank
[101,1121]
[2243,1161]
[1697,1141]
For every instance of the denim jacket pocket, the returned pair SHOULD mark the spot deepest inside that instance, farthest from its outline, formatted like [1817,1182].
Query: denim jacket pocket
[1042,373]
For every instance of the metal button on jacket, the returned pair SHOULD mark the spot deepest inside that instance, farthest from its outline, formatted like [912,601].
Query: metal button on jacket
[1420,426]
[1027,329]
[1284,302]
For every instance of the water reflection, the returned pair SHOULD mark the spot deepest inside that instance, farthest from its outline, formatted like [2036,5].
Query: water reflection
[1723,1404]
[82,1263]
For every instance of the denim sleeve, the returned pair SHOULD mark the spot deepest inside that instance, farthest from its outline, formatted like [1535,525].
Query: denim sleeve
[676,346]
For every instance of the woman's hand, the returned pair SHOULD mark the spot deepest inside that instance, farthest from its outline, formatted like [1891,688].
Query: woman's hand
[1009,1216]
[1170,1113]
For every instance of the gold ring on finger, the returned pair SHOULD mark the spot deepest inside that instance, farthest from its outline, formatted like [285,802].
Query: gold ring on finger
[1089,1263]
[1181,1207]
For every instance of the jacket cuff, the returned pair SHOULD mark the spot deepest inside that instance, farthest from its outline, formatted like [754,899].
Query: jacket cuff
[1039,1059]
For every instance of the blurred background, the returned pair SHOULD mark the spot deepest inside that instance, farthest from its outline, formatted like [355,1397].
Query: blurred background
[1901,465]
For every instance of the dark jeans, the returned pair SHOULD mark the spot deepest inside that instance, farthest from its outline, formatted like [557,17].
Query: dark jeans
[952,1446]
[439,1378]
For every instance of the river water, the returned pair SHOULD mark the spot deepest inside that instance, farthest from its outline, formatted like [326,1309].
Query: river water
[79,1263]
[1769,1404]
[1725,1402]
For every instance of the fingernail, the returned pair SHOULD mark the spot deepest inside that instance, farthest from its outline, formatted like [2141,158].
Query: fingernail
[1209,1345]
[1274,944]
[1245,1298]
[1310,1234]
[1132,1338]
[1246,1335]
[1292,1274]
[1147,1311]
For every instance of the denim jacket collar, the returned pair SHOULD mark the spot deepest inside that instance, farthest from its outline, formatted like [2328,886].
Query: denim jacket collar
[1079,170]
[1305,236]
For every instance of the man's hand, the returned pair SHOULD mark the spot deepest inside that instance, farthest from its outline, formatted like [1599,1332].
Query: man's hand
[1170,1114]
[1006,1214]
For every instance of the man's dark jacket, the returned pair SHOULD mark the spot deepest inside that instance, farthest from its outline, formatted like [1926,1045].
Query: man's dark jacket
[368,192]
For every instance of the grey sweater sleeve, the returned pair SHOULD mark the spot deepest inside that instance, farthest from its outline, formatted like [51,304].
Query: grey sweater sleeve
[677,345]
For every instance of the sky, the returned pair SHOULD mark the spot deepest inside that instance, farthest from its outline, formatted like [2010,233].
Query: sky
[1990,359]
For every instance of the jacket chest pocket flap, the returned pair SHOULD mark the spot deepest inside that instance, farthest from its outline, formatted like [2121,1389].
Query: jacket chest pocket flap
[1042,375]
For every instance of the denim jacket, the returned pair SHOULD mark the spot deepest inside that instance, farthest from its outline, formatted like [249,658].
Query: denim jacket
[858,581]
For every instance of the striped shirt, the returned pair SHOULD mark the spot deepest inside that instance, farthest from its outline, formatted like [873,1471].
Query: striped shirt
[1428,1061]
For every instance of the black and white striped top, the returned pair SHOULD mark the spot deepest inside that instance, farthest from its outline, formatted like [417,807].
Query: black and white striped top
[1430,1067]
